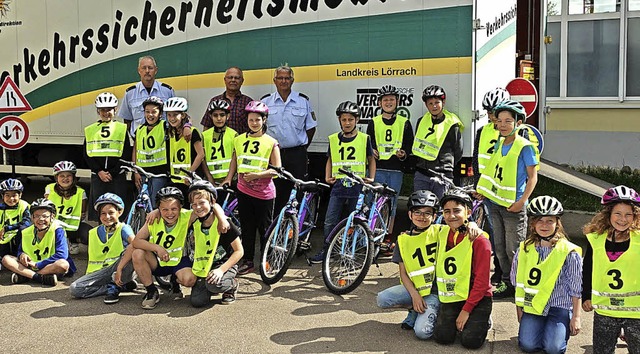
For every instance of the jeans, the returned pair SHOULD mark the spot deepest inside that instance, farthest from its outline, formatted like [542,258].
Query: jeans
[334,213]
[201,292]
[423,323]
[475,330]
[95,284]
[509,229]
[393,179]
[154,185]
[549,333]
[423,182]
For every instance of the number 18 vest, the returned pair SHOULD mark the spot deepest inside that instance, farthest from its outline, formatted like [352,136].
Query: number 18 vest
[173,241]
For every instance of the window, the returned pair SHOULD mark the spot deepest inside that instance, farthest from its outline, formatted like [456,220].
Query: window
[633,57]
[553,60]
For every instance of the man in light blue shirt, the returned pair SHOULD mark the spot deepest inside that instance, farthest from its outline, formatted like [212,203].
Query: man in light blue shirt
[131,109]
[292,122]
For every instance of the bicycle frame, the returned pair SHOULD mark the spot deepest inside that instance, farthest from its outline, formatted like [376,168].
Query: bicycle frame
[289,208]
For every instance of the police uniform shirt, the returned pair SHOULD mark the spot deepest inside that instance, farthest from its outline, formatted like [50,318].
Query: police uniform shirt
[283,116]
[131,108]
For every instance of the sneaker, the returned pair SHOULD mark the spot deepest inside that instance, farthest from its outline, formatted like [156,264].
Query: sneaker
[74,248]
[386,249]
[496,279]
[18,279]
[150,300]
[130,286]
[246,268]
[113,294]
[229,297]
[504,291]
[49,279]
[490,324]
[176,291]
[318,258]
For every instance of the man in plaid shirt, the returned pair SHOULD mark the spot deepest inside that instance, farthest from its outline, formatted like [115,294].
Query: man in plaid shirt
[237,120]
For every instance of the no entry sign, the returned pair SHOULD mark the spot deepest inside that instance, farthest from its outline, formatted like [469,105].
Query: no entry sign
[523,91]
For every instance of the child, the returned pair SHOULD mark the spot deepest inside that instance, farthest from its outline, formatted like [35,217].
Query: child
[218,142]
[351,150]
[438,142]
[253,152]
[507,182]
[106,142]
[150,147]
[547,270]
[391,137]
[43,253]
[14,216]
[182,153]
[70,200]
[462,271]
[110,250]
[609,277]
[216,255]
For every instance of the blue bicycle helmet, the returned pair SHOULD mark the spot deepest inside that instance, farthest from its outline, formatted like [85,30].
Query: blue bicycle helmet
[109,198]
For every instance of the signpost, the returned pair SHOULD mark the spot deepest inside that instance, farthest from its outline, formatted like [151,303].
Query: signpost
[523,91]
[14,132]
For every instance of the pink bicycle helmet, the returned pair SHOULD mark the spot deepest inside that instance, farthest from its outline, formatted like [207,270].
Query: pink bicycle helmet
[620,194]
[257,107]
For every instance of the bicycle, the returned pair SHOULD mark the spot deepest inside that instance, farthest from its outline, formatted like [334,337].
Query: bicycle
[355,242]
[289,233]
[142,204]
[230,204]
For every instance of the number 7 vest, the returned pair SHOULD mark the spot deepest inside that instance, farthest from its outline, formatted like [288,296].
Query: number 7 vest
[173,241]
[418,254]
[429,139]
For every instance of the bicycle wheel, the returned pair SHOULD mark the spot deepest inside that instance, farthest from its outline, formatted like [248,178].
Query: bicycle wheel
[311,215]
[234,216]
[276,258]
[138,219]
[479,216]
[380,229]
[342,272]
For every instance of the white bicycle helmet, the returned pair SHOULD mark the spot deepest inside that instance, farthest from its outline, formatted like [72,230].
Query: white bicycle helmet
[494,97]
[64,166]
[175,104]
[545,206]
[11,184]
[106,100]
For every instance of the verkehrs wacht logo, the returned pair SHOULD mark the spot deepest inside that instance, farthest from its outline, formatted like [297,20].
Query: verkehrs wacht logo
[367,100]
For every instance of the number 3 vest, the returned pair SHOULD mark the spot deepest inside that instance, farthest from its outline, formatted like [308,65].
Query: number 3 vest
[535,280]
[615,288]
[418,254]
[173,241]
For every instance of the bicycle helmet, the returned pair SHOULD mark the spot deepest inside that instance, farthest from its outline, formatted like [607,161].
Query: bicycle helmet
[11,184]
[387,90]
[545,206]
[204,185]
[494,97]
[258,107]
[156,101]
[109,198]
[42,203]
[106,100]
[175,104]
[218,104]
[458,195]
[169,192]
[422,198]
[620,194]
[514,107]
[433,91]
[64,166]
[348,107]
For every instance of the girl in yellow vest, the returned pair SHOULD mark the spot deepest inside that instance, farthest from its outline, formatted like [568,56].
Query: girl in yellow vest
[253,152]
[109,269]
[43,254]
[71,201]
[216,254]
[547,271]
[611,285]
[462,276]
[106,142]
[14,216]
[183,153]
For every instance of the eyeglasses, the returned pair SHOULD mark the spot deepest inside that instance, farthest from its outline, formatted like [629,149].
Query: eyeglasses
[283,78]
[41,217]
[426,214]
[233,77]
[216,115]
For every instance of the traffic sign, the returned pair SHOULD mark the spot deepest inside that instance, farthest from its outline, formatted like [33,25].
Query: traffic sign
[523,91]
[14,132]
[11,99]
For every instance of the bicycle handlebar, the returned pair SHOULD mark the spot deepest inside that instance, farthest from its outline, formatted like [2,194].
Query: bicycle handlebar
[132,167]
[298,182]
[357,179]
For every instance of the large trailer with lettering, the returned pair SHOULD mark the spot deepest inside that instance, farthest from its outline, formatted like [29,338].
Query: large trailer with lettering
[63,53]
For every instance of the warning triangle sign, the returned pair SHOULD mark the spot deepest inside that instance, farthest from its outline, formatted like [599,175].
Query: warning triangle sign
[11,99]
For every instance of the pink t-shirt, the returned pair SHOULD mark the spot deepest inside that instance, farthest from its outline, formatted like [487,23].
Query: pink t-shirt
[262,188]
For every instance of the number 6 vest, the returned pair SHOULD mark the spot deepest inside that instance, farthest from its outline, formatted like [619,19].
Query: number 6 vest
[453,268]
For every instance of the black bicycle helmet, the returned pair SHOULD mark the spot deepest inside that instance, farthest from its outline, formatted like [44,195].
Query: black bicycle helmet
[203,185]
[169,192]
[458,195]
[422,198]
[348,107]
[545,205]
[433,91]
[218,104]
[156,101]
[387,90]
[42,203]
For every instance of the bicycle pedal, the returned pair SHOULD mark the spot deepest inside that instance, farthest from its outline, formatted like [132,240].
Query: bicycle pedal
[304,246]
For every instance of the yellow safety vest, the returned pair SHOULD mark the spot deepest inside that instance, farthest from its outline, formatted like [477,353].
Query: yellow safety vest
[69,211]
[12,217]
[453,267]
[180,152]
[489,136]
[205,248]
[151,146]
[418,254]
[430,137]
[388,137]
[536,280]
[218,153]
[104,254]
[351,156]
[39,249]
[105,139]
[615,288]
[499,182]
[253,153]
[173,241]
